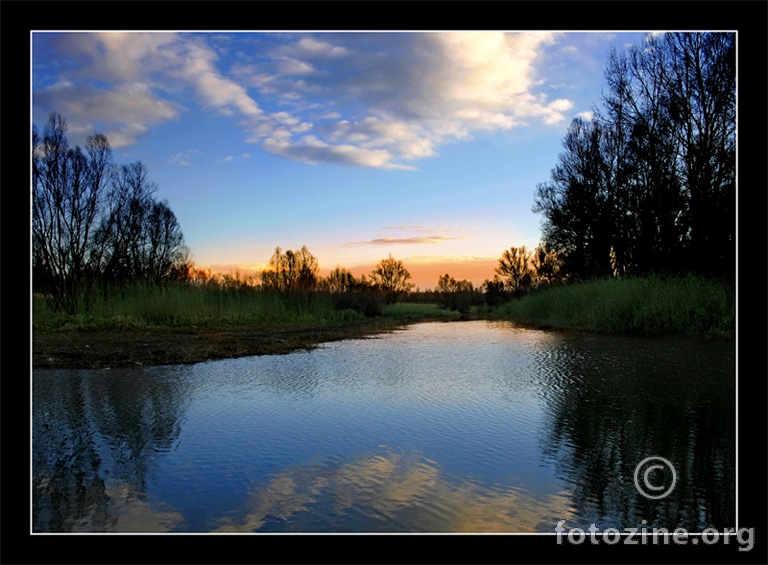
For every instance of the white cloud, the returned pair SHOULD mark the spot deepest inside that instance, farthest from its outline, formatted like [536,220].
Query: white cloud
[216,90]
[126,79]
[312,150]
[118,56]
[560,105]
[185,158]
[315,47]
[123,135]
[372,100]
[294,67]
[434,88]
[108,82]
[123,112]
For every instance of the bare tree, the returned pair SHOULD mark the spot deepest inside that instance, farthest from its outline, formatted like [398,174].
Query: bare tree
[515,267]
[124,235]
[494,291]
[649,185]
[291,271]
[68,198]
[92,221]
[308,268]
[339,281]
[546,265]
[576,203]
[455,295]
[391,276]
[703,115]
[165,255]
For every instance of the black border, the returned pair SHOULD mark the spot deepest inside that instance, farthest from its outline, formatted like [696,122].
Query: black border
[748,18]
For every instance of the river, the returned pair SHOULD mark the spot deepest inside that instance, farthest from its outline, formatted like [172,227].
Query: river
[471,426]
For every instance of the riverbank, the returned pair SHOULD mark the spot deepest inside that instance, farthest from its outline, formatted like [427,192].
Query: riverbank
[164,346]
[172,326]
[111,340]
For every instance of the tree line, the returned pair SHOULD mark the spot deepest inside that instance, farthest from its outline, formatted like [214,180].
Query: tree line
[293,272]
[95,222]
[648,185]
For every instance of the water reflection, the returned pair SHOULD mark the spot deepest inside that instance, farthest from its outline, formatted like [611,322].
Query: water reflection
[612,403]
[96,435]
[390,492]
[444,427]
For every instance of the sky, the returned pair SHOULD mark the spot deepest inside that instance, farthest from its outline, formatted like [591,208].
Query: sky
[424,145]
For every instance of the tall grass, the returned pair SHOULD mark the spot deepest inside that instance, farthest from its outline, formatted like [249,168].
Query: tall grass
[650,305]
[184,306]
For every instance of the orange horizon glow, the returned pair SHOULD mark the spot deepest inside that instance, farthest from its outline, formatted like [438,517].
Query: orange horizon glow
[424,273]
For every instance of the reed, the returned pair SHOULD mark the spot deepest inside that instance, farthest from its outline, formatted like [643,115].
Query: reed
[186,305]
[689,305]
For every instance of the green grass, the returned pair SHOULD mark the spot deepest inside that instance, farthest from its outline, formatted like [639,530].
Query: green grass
[179,306]
[406,310]
[185,306]
[651,305]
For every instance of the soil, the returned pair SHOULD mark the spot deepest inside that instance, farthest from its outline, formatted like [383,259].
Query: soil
[164,346]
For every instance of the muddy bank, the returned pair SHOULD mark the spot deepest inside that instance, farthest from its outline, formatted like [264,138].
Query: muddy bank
[164,346]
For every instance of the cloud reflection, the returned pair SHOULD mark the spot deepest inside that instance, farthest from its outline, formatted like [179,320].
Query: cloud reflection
[117,507]
[391,492]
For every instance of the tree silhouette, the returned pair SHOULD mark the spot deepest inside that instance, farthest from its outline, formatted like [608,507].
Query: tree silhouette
[94,222]
[339,281]
[515,267]
[291,271]
[546,265]
[494,292]
[391,277]
[140,239]
[649,184]
[576,204]
[455,295]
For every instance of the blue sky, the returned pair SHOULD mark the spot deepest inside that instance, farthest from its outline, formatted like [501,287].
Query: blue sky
[428,146]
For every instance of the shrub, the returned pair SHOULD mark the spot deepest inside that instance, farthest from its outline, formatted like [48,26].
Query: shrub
[364,301]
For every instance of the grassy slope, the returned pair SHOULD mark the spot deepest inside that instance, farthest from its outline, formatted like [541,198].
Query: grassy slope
[651,305]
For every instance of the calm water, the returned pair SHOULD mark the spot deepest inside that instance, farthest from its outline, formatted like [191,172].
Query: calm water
[442,427]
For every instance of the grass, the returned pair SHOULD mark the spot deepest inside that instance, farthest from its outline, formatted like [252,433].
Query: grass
[180,306]
[406,311]
[651,305]
[688,305]
[186,306]
[187,324]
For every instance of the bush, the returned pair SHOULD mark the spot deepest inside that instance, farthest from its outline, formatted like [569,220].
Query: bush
[460,301]
[364,301]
